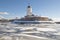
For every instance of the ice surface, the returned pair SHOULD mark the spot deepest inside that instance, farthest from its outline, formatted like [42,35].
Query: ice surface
[10,31]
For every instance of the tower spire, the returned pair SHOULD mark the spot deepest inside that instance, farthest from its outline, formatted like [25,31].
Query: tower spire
[28,2]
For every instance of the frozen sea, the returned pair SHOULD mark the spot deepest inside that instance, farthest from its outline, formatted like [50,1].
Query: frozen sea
[9,31]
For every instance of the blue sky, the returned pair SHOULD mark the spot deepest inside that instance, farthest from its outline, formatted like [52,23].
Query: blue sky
[50,8]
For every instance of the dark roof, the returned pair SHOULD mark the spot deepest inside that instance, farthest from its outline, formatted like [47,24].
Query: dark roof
[28,6]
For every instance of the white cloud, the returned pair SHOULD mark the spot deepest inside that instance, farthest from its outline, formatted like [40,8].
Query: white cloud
[56,19]
[4,13]
[1,17]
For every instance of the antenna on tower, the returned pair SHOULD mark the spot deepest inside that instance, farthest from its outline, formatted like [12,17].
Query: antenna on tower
[28,2]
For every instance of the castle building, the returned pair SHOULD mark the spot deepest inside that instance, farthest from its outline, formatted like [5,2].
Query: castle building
[30,18]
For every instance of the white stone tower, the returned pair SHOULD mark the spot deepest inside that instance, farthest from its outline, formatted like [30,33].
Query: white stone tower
[29,9]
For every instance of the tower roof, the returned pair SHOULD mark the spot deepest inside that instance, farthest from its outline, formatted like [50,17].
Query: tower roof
[29,6]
